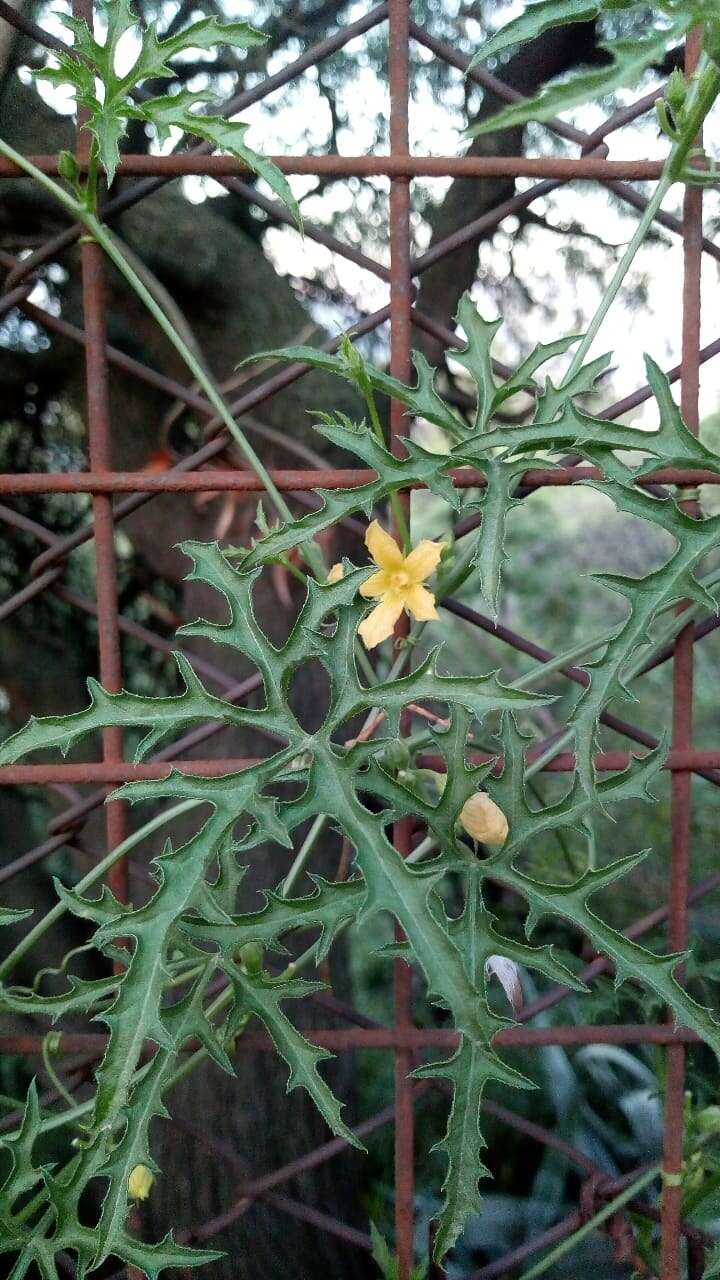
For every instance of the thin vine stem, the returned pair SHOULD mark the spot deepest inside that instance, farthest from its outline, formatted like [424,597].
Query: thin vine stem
[105,238]
[97,872]
[608,1211]
[703,94]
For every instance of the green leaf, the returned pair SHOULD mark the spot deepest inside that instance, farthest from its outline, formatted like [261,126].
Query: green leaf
[224,135]
[419,467]
[23,1175]
[523,377]
[467,1072]
[191,916]
[475,357]
[533,22]
[627,62]
[327,908]
[631,961]
[422,400]
[152,1259]
[381,1254]
[12,915]
[82,997]
[495,504]
[161,717]
[388,1263]
[108,112]
[553,399]
[210,33]
[153,60]
[263,996]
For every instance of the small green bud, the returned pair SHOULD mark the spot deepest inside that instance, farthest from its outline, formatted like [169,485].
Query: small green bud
[251,958]
[351,357]
[396,755]
[676,92]
[68,167]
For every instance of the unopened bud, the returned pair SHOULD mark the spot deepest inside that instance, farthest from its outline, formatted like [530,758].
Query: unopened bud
[140,1182]
[251,957]
[676,92]
[485,821]
[68,167]
[396,755]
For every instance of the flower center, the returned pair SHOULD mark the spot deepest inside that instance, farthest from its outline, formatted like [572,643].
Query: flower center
[399,580]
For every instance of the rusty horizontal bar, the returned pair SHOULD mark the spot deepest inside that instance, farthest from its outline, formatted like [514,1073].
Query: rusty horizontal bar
[300,480]
[682,760]
[94,772]
[188,163]
[350,1039]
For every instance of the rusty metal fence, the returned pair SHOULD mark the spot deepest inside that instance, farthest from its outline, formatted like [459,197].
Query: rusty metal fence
[683,1246]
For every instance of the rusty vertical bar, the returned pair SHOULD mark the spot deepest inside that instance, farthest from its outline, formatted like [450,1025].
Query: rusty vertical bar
[400,339]
[99,449]
[682,723]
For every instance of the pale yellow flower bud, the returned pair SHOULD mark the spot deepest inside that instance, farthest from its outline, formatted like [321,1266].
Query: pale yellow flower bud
[140,1182]
[336,574]
[484,820]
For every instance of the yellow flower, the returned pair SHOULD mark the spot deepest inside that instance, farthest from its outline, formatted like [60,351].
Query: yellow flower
[140,1182]
[397,584]
[484,820]
[336,574]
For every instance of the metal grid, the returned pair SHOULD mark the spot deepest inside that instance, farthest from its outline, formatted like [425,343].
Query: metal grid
[402,1038]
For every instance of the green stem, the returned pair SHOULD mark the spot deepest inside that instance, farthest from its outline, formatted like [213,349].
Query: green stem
[621,271]
[91,878]
[395,504]
[703,94]
[107,241]
[558,832]
[52,1038]
[302,856]
[596,1221]
[537,766]
[423,850]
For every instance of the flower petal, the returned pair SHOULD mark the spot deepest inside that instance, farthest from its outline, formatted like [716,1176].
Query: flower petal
[376,585]
[379,624]
[423,560]
[336,574]
[382,547]
[421,603]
